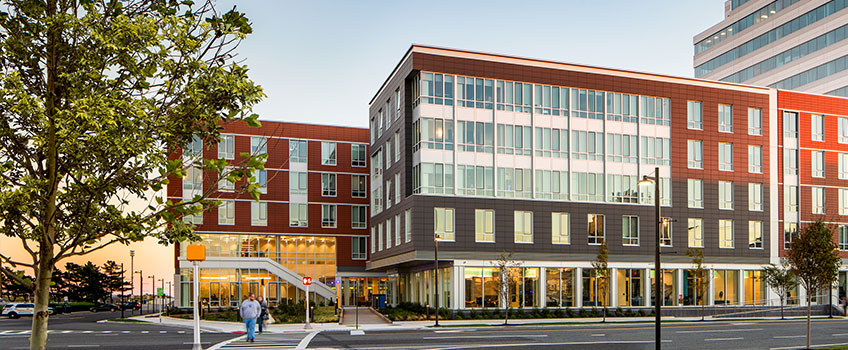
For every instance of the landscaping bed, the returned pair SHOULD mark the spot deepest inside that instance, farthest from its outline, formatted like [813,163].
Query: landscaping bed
[417,312]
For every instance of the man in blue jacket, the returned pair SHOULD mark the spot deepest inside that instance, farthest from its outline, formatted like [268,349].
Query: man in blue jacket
[250,311]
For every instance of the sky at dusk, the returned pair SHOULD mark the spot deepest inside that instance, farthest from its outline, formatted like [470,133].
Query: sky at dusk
[322,61]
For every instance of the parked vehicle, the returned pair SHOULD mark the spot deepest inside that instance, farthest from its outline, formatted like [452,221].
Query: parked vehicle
[132,305]
[104,307]
[16,310]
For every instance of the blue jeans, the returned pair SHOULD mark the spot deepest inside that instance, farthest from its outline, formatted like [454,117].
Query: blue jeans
[250,324]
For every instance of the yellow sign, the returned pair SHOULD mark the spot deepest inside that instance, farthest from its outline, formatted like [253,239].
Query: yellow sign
[196,252]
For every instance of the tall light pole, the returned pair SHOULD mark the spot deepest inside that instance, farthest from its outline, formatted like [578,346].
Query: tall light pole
[162,298]
[657,270]
[153,292]
[132,278]
[140,291]
[436,239]
[123,290]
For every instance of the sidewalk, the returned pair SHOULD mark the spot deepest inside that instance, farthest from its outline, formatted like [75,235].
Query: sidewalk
[237,327]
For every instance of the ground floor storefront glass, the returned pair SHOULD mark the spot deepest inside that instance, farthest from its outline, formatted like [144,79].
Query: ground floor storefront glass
[755,288]
[361,290]
[228,287]
[630,288]
[559,283]
[726,284]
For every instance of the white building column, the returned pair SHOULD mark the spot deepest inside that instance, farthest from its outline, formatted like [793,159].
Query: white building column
[710,287]
[648,286]
[613,288]
[680,282]
[541,297]
[740,284]
[578,287]
[457,287]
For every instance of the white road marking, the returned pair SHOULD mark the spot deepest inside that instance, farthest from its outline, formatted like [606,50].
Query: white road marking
[305,341]
[225,342]
[144,332]
[723,339]
[163,332]
[492,336]
[839,334]
[789,336]
[456,331]
[811,345]
[721,330]
[84,346]
[599,335]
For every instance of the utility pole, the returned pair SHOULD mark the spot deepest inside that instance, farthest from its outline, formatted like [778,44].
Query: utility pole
[140,291]
[123,302]
[153,292]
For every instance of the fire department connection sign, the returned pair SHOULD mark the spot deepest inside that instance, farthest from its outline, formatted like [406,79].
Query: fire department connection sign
[307,281]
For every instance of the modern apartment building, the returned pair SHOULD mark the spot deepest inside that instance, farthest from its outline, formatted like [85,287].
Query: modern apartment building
[499,154]
[784,44]
[311,218]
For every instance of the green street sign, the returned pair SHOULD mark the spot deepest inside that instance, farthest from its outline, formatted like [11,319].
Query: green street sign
[160,292]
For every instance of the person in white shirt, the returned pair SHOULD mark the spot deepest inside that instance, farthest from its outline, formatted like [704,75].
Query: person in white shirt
[250,311]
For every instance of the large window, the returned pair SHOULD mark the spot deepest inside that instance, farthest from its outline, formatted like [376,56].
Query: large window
[388,233]
[725,156]
[656,150]
[444,224]
[407,223]
[755,159]
[790,231]
[552,184]
[259,213]
[357,186]
[817,163]
[817,201]
[725,233]
[474,180]
[328,215]
[297,182]
[328,185]
[397,229]
[475,136]
[433,88]
[843,130]
[262,180]
[817,127]
[693,115]
[755,197]
[484,225]
[560,287]
[622,148]
[398,146]
[436,178]
[358,155]
[258,145]
[194,149]
[630,230]
[328,153]
[551,142]
[725,195]
[227,213]
[193,179]
[755,234]
[587,145]
[298,215]
[360,245]
[560,231]
[790,161]
[515,139]
[226,147]
[596,232]
[696,233]
[665,237]
[725,118]
[516,183]
[696,193]
[298,151]
[523,226]
[843,166]
[790,124]
[398,194]
[843,237]
[790,198]
[224,183]
[755,121]
[429,133]
[359,216]
[695,154]
[843,201]
[622,188]
[587,187]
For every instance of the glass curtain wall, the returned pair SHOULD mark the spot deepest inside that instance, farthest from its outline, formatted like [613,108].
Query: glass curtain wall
[669,281]
[726,284]
[559,291]
[630,288]
[755,288]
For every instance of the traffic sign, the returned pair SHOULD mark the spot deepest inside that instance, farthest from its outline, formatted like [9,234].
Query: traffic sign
[307,281]
[160,292]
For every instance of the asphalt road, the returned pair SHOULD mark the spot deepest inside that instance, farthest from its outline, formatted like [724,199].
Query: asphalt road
[80,330]
[693,335]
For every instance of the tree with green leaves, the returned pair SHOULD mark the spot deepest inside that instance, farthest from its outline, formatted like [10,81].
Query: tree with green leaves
[114,279]
[700,274]
[87,282]
[781,279]
[602,272]
[96,100]
[507,270]
[813,258]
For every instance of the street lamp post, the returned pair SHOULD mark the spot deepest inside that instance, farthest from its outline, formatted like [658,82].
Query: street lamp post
[657,270]
[123,302]
[132,278]
[162,298]
[153,292]
[140,291]
[436,239]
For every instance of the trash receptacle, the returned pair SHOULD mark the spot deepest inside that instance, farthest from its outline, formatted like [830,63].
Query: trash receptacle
[378,300]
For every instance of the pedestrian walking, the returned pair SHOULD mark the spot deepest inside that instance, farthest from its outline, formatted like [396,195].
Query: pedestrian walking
[249,312]
[263,315]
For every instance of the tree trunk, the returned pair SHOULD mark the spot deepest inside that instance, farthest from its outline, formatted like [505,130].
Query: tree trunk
[809,309]
[781,309]
[38,341]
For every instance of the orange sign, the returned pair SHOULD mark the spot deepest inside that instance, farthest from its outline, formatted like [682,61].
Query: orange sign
[196,252]
[307,281]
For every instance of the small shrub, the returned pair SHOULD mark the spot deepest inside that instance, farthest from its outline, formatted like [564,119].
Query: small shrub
[558,313]
[472,314]
[570,313]
[582,312]
[595,312]
[619,312]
